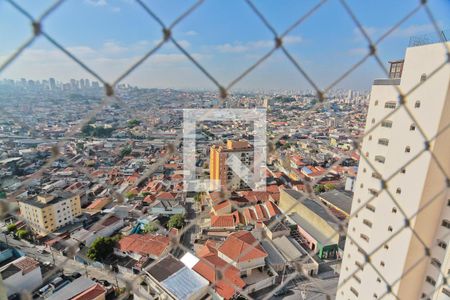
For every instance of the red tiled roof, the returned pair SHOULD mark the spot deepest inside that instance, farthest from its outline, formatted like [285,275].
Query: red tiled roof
[222,221]
[222,205]
[147,244]
[91,293]
[210,264]
[272,208]
[242,246]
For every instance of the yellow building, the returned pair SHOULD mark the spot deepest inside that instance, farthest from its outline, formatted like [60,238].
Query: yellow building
[46,213]
[219,173]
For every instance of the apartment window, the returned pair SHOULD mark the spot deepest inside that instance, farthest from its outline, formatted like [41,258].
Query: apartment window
[446,292]
[398,191]
[386,246]
[423,77]
[364,237]
[386,123]
[446,223]
[375,296]
[376,175]
[367,223]
[382,263]
[376,102]
[390,104]
[359,265]
[435,262]
[430,281]
[417,104]
[370,207]
[407,149]
[390,229]
[357,278]
[394,210]
[412,127]
[448,202]
[403,171]
[373,121]
[354,291]
[380,159]
[383,141]
[373,192]
[378,279]
[370,137]
[442,244]
[361,185]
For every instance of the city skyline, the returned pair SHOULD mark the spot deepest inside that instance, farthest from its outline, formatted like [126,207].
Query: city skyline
[225,48]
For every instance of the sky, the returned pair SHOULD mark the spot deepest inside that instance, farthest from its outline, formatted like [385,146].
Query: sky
[224,36]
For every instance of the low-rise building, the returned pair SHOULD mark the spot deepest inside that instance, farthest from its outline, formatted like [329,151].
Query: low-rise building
[48,212]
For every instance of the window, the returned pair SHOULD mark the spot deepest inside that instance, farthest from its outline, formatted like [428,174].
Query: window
[412,127]
[373,121]
[403,171]
[357,278]
[376,102]
[435,262]
[370,207]
[442,244]
[364,237]
[417,104]
[376,175]
[382,263]
[390,229]
[390,104]
[386,246]
[448,202]
[375,296]
[359,265]
[394,210]
[354,291]
[386,123]
[378,279]
[430,281]
[446,292]
[398,191]
[373,192]
[423,77]
[407,149]
[446,223]
[370,137]
[383,141]
[367,223]
[380,159]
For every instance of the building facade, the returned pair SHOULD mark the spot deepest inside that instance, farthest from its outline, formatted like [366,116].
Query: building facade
[219,172]
[416,194]
[47,213]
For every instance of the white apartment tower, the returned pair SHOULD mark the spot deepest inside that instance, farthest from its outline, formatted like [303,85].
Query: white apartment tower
[420,187]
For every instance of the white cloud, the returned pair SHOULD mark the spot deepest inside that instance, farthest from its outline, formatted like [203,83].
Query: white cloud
[239,47]
[191,33]
[96,2]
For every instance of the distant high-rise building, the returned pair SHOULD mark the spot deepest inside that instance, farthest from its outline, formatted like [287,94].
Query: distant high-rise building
[407,240]
[52,84]
[219,170]
[82,83]
[87,84]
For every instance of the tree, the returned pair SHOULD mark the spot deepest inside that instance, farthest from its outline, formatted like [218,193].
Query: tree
[130,195]
[320,188]
[133,123]
[151,227]
[2,194]
[101,248]
[329,186]
[176,221]
[198,197]
[125,151]
[11,227]
[22,233]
